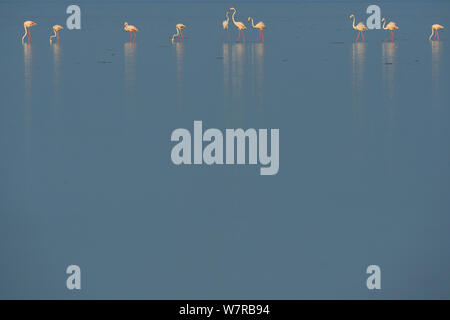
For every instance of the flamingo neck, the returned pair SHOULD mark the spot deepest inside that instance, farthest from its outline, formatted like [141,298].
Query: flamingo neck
[354,26]
[384,25]
[232,17]
[176,34]
[53,36]
[253,24]
[26,32]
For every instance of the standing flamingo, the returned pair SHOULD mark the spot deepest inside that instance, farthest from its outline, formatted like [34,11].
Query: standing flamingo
[131,29]
[27,25]
[360,27]
[225,25]
[241,27]
[261,26]
[179,28]
[390,26]
[56,29]
[435,27]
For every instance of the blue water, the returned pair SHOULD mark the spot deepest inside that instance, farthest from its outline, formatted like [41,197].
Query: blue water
[86,176]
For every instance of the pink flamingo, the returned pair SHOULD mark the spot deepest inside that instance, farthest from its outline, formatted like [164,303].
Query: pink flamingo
[261,26]
[435,27]
[360,27]
[27,25]
[391,26]
[179,28]
[131,29]
[241,27]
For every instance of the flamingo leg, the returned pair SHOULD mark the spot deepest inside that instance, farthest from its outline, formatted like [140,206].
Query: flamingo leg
[130,37]
[239,34]
[437,34]
[262,35]
[181,35]
[243,37]
[362,33]
[134,34]
[29,35]
[357,37]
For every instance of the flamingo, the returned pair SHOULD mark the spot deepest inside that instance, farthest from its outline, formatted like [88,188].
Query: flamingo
[360,27]
[261,26]
[56,29]
[390,26]
[433,28]
[131,29]
[27,25]
[225,25]
[179,28]
[241,27]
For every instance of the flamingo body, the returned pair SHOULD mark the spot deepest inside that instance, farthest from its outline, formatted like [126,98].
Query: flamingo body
[240,25]
[29,23]
[391,26]
[260,25]
[361,27]
[180,26]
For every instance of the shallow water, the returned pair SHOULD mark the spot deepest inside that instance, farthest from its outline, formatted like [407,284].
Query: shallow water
[86,175]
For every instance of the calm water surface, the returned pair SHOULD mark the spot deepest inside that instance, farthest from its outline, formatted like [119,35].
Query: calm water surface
[86,176]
